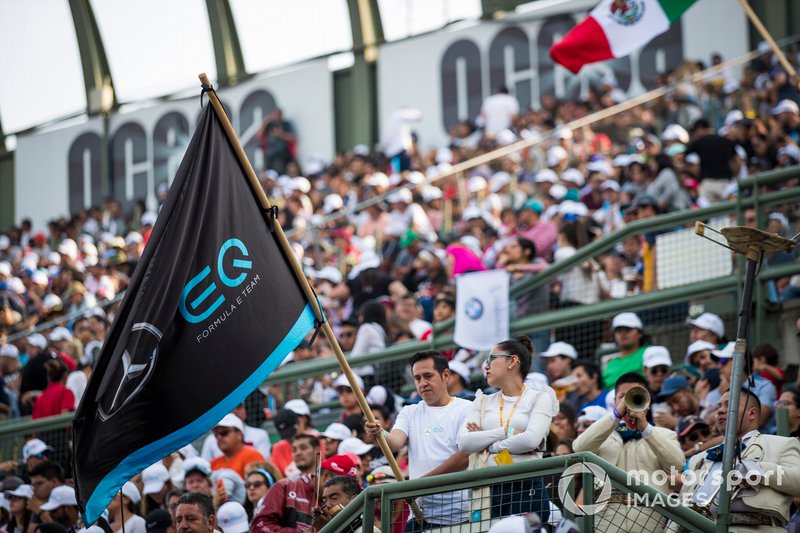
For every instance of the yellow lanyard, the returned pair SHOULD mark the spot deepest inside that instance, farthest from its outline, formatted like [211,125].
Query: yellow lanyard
[508,421]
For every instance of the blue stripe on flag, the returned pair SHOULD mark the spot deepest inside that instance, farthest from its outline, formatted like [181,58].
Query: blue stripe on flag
[144,457]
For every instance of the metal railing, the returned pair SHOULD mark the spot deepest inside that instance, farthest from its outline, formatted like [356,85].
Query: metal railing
[382,497]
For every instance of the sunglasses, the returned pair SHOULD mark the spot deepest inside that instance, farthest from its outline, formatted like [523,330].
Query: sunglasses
[222,432]
[254,484]
[783,403]
[492,356]
[659,369]
[344,390]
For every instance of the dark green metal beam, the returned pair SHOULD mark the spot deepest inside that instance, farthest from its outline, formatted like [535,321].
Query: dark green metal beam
[227,49]
[96,71]
[367,30]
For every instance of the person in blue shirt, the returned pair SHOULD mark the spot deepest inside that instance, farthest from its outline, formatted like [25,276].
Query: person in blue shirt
[588,385]
[763,388]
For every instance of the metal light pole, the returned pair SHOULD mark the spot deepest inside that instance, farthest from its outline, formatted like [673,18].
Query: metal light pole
[752,243]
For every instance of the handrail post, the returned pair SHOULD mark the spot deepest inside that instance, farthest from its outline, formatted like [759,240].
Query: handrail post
[586,521]
[387,505]
[368,514]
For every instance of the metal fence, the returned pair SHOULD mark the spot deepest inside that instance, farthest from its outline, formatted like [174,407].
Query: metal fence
[555,488]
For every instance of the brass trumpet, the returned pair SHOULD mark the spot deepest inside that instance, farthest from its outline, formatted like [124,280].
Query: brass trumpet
[637,400]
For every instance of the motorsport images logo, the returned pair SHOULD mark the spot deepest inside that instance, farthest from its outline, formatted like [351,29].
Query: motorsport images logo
[573,473]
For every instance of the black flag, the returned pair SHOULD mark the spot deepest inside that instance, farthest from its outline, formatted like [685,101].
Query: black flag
[213,307]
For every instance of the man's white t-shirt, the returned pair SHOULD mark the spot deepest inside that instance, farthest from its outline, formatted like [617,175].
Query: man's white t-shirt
[498,110]
[432,438]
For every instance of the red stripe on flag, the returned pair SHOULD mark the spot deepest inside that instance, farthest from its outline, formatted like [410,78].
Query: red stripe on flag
[585,43]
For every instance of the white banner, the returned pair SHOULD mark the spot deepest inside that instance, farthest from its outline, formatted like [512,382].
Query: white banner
[58,171]
[448,73]
[482,308]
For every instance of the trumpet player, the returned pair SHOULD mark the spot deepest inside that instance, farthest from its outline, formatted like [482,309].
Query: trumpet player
[770,468]
[625,439]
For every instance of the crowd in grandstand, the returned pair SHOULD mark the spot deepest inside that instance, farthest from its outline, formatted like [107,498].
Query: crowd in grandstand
[385,275]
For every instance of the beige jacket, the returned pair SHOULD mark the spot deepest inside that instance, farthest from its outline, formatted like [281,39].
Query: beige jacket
[779,458]
[659,450]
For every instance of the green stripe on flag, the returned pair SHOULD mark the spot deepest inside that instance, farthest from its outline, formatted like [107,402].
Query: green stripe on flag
[675,8]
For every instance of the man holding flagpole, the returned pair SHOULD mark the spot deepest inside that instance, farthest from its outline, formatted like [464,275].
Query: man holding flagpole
[430,428]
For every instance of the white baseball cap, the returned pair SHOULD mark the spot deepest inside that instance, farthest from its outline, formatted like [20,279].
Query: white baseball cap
[656,356]
[697,346]
[37,340]
[34,447]
[232,518]
[59,497]
[330,273]
[149,218]
[627,320]
[574,176]
[191,464]
[132,492]
[786,106]
[298,407]
[154,477]
[476,184]
[341,381]
[591,413]
[726,352]
[709,322]
[556,155]
[675,132]
[498,181]
[60,334]
[9,350]
[337,431]
[40,278]
[560,348]
[377,179]
[402,196]
[461,369]
[332,203]
[51,301]
[609,184]
[231,421]
[354,445]
[545,176]
[22,491]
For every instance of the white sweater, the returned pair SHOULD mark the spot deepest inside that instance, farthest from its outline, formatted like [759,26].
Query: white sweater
[528,428]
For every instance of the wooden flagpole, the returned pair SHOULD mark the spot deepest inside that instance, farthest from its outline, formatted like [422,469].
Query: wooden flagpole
[767,37]
[301,278]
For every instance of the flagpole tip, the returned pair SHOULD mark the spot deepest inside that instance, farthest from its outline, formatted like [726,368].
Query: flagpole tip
[204,79]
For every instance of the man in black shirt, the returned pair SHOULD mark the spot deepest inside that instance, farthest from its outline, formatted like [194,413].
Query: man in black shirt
[715,159]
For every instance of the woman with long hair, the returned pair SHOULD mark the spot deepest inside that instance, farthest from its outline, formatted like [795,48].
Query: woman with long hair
[372,335]
[156,485]
[18,509]
[260,477]
[124,509]
[510,426]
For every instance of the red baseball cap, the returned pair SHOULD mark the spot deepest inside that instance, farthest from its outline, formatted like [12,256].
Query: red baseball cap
[342,465]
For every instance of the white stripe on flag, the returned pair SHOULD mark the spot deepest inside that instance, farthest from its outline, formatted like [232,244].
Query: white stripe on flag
[632,29]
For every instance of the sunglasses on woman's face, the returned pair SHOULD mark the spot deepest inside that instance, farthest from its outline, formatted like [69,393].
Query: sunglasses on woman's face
[492,356]
[254,484]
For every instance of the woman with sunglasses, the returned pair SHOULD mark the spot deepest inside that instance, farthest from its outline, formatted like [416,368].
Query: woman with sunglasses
[18,509]
[509,426]
[259,479]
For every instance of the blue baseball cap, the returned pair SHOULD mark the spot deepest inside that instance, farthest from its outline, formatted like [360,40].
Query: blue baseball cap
[672,385]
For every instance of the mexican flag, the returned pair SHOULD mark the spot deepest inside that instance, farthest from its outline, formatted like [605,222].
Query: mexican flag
[615,28]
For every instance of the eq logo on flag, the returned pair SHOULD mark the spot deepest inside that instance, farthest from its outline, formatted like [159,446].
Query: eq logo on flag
[199,308]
